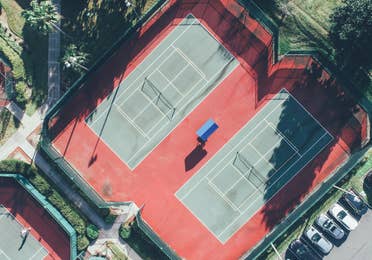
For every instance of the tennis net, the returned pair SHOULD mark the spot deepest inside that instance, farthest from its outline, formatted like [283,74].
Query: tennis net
[157,97]
[249,172]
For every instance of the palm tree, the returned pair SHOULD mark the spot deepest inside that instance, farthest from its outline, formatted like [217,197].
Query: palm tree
[74,58]
[43,17]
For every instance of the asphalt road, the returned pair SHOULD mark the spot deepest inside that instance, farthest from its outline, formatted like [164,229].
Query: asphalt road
[358,245]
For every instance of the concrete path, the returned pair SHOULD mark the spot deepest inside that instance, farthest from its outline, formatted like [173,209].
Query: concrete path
[19,139]
[54,51]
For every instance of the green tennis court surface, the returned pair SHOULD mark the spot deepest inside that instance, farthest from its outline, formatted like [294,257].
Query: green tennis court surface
[12,245]
[254,165]
[172,80]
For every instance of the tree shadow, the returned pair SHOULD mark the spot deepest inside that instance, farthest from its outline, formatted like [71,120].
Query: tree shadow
[35,57]
[338,112]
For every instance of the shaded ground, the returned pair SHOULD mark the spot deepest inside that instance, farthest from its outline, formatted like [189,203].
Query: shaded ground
[232,104]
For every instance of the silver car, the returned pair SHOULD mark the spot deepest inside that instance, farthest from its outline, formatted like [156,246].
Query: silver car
[318,240]
[327,225]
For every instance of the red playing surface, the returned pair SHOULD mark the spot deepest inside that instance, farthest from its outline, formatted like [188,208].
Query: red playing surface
[30,214]
[237,99]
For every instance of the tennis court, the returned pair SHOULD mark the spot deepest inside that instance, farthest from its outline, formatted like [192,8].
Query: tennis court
[12,245]
[161,91]
[254,165]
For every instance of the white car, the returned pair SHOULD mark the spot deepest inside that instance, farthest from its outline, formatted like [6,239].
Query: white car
[327,225]
[318,240]
[343,217]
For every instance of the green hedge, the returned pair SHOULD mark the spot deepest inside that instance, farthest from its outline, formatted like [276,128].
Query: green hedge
[36,177]
[92,232]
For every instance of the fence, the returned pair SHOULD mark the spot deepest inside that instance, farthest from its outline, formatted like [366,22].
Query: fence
[70,231]
[310,201]
[155,238]
[46,145]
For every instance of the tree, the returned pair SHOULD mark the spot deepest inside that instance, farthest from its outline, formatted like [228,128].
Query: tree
[351,34]
[43,17]
[74,58]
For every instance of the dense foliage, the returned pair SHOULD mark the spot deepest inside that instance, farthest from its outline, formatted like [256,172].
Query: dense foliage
[53,196]
[351,34]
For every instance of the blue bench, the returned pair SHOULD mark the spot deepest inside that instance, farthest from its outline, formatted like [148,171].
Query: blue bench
[207,129]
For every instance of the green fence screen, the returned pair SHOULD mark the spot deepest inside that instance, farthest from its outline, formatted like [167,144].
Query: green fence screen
[62,222]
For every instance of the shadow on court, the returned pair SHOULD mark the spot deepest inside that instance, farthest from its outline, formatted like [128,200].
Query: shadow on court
[196,155]
[323,97]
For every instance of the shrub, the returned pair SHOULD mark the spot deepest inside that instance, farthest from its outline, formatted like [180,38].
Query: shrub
[125,231]
[92,232]
[82,242]
[109,219]
[20,93]
[52,195]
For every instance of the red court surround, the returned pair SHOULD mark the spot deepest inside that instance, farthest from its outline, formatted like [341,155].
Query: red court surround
[237,99]
[30,214]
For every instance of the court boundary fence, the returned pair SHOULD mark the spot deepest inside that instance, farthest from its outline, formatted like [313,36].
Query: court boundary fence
[256,13]
[52,211]
[339,173]
[70,172]
[45,143]
[141,224]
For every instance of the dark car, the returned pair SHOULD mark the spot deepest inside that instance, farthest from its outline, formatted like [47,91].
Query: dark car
[355,203]
[368,180]
[301,251]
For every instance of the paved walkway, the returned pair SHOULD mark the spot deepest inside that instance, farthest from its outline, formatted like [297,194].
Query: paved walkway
[54,51]
[19,139]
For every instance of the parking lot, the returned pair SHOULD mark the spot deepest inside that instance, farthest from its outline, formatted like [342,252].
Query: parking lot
[358,245]
[354,242]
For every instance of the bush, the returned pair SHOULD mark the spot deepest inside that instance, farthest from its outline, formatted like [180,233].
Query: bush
[92,232]
[109,219]
[52,195]
[125,231]
[82,242]
[20,93]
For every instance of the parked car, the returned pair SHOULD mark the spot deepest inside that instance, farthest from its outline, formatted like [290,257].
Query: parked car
[368,180]
[343,217]
[355,203]
[301,251]
[327,225]
[318,240]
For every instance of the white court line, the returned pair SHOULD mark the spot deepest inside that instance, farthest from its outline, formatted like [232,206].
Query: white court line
[3,253]
[309,113]
[148,67]
[276,130]
[220,193]
[189,61]
[180,109]
[171,82]
[40,248]
[315,154]
[231,151]
[262,156]
[139,129]
[159,56]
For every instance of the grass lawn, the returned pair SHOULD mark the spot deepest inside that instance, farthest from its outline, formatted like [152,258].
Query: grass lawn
[305,26]
[15,21]
[353,180]
[8,125]
[28,61]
